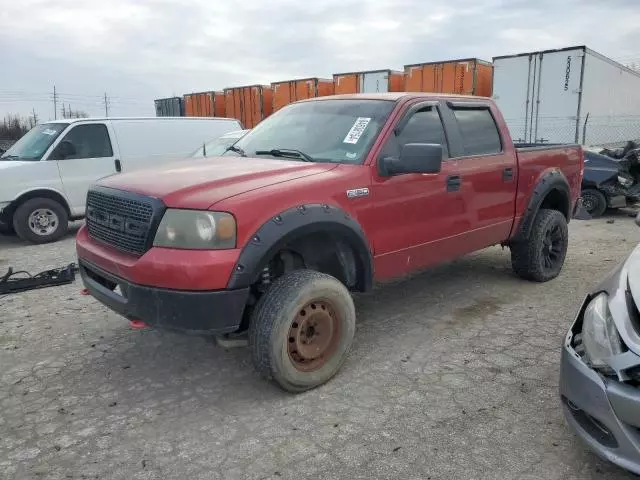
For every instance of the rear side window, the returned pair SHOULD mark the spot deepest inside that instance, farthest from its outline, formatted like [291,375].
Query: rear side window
[425,126]
[90,141]
[479,131]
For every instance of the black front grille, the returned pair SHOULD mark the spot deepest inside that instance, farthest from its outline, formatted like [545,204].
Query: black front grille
[122,220]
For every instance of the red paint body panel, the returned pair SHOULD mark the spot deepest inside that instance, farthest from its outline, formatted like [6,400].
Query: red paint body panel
[410,221]
[197,184]
[162,267]
[534,164]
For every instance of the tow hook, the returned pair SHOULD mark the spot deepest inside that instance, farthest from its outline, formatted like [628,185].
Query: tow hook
[138,324]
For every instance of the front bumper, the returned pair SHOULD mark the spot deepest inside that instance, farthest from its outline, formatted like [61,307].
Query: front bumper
[194,312]
[603,412]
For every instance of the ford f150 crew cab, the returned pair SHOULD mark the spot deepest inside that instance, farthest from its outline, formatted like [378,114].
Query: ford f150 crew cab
[322,198]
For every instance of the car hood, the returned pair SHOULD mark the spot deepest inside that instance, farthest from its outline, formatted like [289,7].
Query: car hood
[198,184]
[619,283]
[632,266]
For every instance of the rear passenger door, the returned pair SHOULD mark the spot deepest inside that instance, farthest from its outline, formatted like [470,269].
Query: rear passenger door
[94,158]
[487,172]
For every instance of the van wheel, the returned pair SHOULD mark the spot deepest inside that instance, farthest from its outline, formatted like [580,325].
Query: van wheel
[541,257]
[594,202]
[302,329]
[40,220]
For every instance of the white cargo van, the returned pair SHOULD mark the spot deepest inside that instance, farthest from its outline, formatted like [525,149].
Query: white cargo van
[45,176]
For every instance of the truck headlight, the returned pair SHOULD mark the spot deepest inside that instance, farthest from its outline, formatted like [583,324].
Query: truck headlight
[196,230]
[599,335]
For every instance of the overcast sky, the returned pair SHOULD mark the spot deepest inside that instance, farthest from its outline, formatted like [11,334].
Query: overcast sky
[137,51]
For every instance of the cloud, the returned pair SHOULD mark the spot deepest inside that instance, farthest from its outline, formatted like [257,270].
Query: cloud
[138,51]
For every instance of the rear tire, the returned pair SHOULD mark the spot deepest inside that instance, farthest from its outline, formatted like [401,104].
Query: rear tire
[40,220]
[540,257]
[302,329]
[594,202]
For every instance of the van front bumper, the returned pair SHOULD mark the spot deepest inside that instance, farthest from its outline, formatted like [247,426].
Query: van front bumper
[193,312]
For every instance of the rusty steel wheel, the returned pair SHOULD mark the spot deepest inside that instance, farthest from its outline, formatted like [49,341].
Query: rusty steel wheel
[314,336]
[302,329]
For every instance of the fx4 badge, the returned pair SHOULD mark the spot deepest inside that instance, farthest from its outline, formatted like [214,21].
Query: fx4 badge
[358,192]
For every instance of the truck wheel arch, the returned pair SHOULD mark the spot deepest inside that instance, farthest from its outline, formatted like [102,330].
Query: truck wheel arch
[300,223]
[552,192]
[40,193]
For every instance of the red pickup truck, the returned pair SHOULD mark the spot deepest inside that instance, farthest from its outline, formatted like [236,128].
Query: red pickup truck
[322,198]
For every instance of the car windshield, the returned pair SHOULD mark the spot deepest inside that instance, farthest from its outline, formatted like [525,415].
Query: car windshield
[215,147]
[339,131]
[35,142]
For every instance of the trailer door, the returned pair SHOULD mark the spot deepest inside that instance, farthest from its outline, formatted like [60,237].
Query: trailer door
[374,82]
[557,96]
[512,85]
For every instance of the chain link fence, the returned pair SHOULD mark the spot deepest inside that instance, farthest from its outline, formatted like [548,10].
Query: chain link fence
[606,131]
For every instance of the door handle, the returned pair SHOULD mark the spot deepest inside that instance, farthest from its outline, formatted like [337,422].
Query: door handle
[507,174]
[453,183]
[118,165]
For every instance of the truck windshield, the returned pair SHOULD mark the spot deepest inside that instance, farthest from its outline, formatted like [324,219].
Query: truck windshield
[35,142]
[339,131]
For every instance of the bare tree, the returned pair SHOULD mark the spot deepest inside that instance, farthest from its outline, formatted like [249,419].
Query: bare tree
[14,126]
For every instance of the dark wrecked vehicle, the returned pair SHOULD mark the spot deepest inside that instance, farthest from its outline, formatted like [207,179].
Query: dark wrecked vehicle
[611,179]
[600,367]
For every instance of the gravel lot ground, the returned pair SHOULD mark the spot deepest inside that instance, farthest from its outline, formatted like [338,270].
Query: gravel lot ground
[453,375]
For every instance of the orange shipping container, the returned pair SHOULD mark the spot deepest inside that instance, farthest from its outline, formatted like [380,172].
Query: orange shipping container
[369,82]
[469,76]
[250,104]
[204,104]
[291,91]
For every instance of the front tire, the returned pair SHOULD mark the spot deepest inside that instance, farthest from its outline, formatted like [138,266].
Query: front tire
[302,329]
[40,220]
[594,202]
[540,257]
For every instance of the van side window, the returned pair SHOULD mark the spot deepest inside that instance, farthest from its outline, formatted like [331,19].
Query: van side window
[425,126]
[479,131]
[89,141]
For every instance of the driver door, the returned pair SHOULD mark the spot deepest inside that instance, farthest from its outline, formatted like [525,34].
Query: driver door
[413,216]
[90,158]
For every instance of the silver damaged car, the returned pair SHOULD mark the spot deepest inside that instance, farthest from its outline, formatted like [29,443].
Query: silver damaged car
[600,367]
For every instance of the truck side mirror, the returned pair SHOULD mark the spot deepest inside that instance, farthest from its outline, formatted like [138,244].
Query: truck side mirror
[65,149]
[414,158]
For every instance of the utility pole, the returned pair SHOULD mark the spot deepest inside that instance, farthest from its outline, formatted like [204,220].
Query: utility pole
[35,118]
[106,105]
[55,104]
[64,114]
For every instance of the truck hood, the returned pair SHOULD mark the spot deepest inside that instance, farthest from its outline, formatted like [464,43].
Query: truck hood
[200,183]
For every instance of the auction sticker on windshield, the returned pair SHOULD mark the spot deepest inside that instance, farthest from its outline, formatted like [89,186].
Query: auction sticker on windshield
[49,131]
[357,130]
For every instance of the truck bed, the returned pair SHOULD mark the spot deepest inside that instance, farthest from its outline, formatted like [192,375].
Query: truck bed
[534,160]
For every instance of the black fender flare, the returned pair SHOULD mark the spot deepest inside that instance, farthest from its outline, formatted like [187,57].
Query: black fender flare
[552,180]
[292,223]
